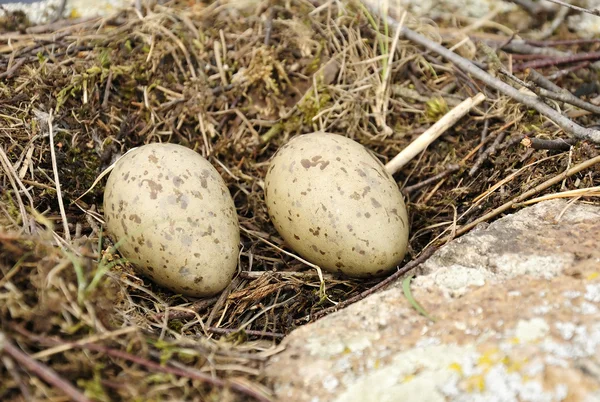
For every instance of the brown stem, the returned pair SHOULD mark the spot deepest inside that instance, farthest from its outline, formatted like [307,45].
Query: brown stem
[13,69]
[392,278]
[41,370]
[559,144]
[449,169]
[227,331]
[553,61]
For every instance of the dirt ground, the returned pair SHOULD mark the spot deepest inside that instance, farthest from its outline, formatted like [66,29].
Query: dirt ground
[234,82]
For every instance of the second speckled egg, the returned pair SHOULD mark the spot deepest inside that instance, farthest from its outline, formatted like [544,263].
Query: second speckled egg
[334,203]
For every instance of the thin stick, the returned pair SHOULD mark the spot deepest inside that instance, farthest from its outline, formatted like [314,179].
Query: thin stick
[227,331]
[9,73]
[63,347]
[533,102]
[553,61]
[41,370]
[552,91]
[548,183]
[107,89]
[559,144]
[61,205]
[576,8]
[428,252]
[189,311]
[449,169]
[429,136]
[580,192]
[13,178]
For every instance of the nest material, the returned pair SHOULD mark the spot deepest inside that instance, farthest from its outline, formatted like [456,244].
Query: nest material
[233,82]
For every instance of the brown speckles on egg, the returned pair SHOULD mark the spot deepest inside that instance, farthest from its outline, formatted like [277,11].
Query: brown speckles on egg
[155,188]
[177,181]
[375,203]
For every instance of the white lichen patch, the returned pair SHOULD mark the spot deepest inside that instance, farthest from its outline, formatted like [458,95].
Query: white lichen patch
[531,330]
[454,280]
[343,345]
[421,371]
[540,266]
[592,292]
[583,342]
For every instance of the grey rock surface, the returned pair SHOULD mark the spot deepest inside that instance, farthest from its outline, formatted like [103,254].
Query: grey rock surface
[43,11]
[517,308]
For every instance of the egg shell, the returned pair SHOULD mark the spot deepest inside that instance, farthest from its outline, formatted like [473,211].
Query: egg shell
[334,203]
[173,217]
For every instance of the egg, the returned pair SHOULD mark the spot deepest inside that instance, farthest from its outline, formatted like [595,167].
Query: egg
[171,215]
[333,203]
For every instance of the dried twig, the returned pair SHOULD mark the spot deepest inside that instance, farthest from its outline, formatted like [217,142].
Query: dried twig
[189,311]
[227,331]
[552,91]
[566,124]
[508,205]
[580,192]
[449,170]
[559,144]
[542,81]
[41,370]
[13,69]
[440,127]
[576,8]
[486,154]
[554,61]
[61,206]
[425,254]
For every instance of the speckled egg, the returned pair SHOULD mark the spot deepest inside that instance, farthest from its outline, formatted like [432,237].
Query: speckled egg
[334,203]
[173,217]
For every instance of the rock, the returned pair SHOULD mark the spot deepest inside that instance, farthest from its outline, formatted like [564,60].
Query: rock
[517,309]
[43,11]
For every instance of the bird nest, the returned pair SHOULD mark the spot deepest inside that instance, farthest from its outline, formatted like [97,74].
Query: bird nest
[234,81]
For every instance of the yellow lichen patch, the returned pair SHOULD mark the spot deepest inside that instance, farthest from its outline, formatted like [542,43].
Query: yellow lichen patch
[408,378]
[475,383]
[592,276]
[489,359]
[456,367]
[513,365]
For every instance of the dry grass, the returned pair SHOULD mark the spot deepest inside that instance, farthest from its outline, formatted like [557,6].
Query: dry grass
[232,81]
